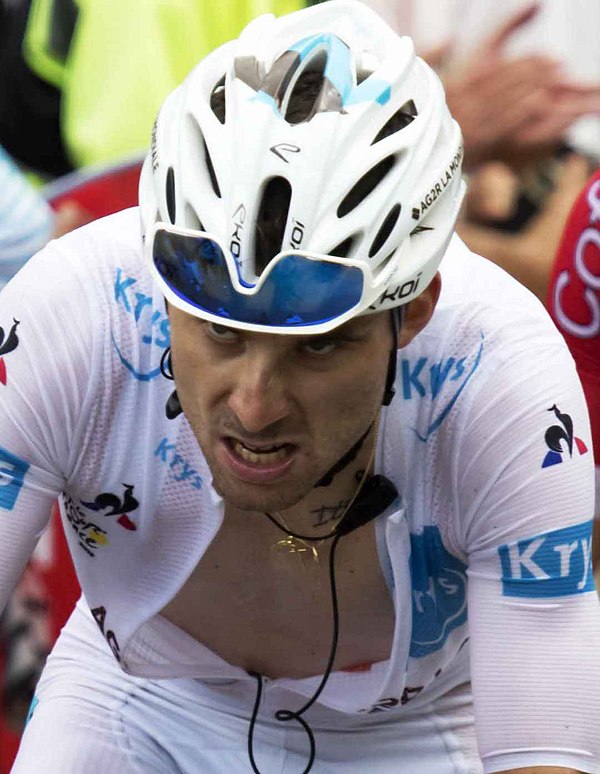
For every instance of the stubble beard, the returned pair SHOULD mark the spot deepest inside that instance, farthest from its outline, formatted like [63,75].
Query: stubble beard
[253,497]
[278,498]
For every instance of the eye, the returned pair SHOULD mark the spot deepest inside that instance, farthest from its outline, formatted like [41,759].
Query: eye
[320,346]
[221,333]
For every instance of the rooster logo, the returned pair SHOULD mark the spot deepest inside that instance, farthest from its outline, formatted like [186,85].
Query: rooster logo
[116,506]
[8,343]
[560,438]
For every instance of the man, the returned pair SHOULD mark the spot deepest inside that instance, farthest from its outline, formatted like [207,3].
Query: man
[77,89]
[277,550]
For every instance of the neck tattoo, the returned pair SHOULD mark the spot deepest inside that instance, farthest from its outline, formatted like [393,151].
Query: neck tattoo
[292,544]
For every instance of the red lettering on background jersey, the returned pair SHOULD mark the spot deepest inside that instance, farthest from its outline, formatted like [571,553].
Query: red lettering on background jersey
[574,296]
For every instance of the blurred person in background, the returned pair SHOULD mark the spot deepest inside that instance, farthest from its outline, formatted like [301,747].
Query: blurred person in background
[26,220]
[523,80]
[87,77]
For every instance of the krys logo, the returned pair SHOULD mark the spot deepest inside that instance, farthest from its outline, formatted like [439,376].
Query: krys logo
[559,439]
[152,324]
[442,382]
[9,341]
[113,505]
[439,592]
[553,564]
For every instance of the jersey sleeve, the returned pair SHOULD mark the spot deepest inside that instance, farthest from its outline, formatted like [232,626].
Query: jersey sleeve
[45,366]
[524,478]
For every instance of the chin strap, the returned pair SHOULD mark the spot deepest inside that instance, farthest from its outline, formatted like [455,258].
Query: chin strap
[343,461]
[396,317]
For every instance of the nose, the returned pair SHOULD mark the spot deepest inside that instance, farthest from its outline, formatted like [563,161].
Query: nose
[258,397]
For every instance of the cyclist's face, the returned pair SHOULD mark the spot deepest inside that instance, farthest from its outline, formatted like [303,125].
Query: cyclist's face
[273,413]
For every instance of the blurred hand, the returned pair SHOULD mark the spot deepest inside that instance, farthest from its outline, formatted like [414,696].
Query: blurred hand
[512,108]
[541,237]
[492,193]
[529,254]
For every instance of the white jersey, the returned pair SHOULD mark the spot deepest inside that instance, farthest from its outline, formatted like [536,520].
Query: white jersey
[487,441]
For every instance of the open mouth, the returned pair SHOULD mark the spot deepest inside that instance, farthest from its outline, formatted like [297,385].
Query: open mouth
[260,455]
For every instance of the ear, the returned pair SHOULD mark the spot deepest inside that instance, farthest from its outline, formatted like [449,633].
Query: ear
[419,311]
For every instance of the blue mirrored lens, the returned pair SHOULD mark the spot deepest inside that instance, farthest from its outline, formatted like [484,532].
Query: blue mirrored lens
[296,292]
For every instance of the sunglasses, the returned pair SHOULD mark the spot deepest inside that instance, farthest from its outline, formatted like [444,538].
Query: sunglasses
[297,290]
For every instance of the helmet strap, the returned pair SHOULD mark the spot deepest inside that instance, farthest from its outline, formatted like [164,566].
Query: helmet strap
[344,461]
[396,317]
[173,406]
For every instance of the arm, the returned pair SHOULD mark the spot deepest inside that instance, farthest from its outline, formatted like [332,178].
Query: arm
[529,254]
[574,303]
[43,379]
[509,106]
[525,504]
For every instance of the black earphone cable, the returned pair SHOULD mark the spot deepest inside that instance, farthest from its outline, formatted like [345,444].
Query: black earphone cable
[376,495]
[286,715]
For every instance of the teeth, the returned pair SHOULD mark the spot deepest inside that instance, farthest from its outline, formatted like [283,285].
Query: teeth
[263,457]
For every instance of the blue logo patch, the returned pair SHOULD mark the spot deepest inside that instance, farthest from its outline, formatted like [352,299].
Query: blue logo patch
[155,323]
[453,372]
[338,71]
[553,564]
[439,592]
[12,475]
[180,468]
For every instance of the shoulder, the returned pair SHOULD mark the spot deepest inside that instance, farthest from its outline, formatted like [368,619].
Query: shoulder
[484,373]
[80,276]
[482,306]
[475,287]
[105,242]
[89,289]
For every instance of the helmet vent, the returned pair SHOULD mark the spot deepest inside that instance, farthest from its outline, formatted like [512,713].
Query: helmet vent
[343,249]
[401,119]
[271,221]
[383,264]
[217,100]
[211,170]
[170,195]
[302,103]
[365,185]
[276,81]
[362,74]
[385,229]
[191,219]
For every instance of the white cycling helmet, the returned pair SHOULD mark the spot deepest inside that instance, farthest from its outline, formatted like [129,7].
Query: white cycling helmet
[303,174]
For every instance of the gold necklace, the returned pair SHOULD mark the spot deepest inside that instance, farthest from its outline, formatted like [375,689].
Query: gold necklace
[295,545]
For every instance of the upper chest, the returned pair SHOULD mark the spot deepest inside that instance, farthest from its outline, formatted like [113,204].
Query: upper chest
[267,609]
